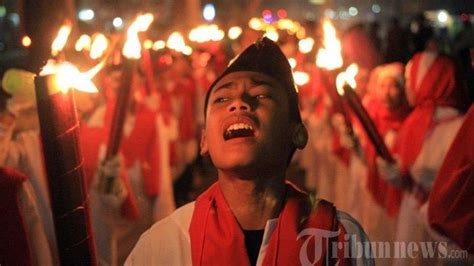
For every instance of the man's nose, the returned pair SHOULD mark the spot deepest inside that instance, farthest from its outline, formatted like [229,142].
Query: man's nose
[239,104]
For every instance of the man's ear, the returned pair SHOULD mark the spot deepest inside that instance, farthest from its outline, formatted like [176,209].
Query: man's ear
[203,145]
[300,136]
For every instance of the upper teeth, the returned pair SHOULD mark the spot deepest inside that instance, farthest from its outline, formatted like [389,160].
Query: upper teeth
[240,126]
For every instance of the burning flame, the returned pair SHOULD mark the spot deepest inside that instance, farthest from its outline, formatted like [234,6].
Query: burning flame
[347,77]
[329,56]
[301,78]
[234,32]
[61,39]
[160,44]
[132,47]
[206,33]
[306,45]
[142,23]
[148,44]
[84,42]
[99,46]
[176,42]
[256,24]
[69,76]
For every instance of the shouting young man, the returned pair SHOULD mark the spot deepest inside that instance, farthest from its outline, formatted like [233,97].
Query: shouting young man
[251,215]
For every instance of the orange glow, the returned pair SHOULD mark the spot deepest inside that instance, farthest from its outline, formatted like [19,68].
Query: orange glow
[99,46]
[301,78]
[329,56]
[148,44]
[206,33]
[306,45]
[61,39]
[83,43]
[160,44]
[26,41]
[132,47]
[69,76]
[234,32]
[347,77]
[176,42]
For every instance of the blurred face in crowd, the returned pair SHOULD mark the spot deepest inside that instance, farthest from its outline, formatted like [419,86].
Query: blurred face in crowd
[392,92]
[247,124]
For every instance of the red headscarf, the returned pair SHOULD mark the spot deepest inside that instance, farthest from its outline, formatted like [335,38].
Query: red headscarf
[383,193]
[450,210]
[439,87]
[217,239]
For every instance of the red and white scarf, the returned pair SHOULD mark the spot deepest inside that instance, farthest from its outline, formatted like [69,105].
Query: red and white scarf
[217,239]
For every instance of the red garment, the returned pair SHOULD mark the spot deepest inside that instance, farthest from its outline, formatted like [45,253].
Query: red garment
[140,145]
[185,94]
[382,192]
[439,87]
[217,239]
[14,248]
[450,209]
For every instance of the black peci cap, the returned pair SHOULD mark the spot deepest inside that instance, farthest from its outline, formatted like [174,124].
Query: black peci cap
[265,57]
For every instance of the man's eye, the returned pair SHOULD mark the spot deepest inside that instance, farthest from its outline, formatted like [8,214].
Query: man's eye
[221,99]
[262,96]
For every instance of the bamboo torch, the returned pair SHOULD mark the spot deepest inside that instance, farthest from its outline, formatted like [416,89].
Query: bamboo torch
[345,87]
[59,128]
[329,59]
[132,53]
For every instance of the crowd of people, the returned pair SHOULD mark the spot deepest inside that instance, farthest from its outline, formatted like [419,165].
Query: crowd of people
[416,94]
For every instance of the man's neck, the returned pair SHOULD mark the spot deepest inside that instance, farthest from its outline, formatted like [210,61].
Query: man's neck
[253,202]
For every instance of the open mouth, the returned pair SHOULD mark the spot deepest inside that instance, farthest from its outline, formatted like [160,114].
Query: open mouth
[239,130]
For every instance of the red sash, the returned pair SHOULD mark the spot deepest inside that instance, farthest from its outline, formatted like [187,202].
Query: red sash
[439,87]
[450,210]
[217,239]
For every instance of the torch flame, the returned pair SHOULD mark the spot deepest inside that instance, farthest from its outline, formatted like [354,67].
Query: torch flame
[301,78]
[176,42]
[142,23]
[306,45]
[69,76]
[99,46]
[132,47]
[84,42]
[348,77]
[61,39]
[206,33]
[160,44]
[234,32]
[329,56]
